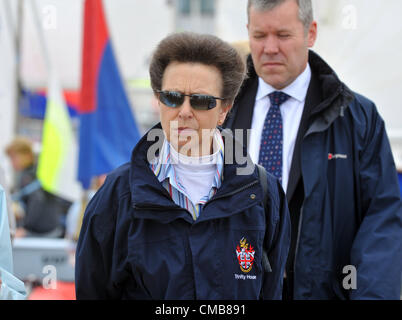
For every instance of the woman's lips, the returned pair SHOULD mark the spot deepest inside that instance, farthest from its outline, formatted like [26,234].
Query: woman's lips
[184,130]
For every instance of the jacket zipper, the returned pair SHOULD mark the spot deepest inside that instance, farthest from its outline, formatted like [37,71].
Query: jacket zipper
[156,207]
[342,114]
[297,241]
[161,208]
[233,192]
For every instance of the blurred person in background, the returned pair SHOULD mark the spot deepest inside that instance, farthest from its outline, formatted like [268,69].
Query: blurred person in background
[11,288]
[38,213]
[75,215]
[179,221]
[76,212]
[333,158]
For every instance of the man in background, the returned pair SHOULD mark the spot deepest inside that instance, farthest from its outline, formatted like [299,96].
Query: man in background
[329,148]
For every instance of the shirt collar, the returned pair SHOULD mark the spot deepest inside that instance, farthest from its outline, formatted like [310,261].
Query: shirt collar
[163,166]
[297,89]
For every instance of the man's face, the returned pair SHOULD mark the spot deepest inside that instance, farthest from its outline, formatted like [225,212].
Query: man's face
[279,44]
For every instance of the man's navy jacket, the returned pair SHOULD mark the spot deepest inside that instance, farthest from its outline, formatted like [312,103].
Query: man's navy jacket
[350,211]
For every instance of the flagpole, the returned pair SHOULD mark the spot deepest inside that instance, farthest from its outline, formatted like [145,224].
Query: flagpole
[57,161]
[42,40]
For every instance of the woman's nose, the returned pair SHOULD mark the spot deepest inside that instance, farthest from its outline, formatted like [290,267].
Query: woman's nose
[186,111]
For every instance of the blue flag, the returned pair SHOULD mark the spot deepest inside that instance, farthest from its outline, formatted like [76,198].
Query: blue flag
[108,130]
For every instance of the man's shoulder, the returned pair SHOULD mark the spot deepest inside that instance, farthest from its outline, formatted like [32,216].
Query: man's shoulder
[363,101]
[248,89]
[362,107]
[365,119]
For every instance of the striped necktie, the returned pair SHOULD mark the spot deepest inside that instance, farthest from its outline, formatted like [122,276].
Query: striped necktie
[272,136]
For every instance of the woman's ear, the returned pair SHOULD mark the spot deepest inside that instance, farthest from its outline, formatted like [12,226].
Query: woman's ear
[224,112]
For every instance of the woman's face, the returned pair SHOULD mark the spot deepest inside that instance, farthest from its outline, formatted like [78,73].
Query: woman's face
[188,130]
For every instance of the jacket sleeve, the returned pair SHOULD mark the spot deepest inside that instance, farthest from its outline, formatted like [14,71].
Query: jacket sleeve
[94,251]
[277,241]
[377,249]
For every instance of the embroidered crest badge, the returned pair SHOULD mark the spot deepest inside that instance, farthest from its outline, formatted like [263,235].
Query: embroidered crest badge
[245,255]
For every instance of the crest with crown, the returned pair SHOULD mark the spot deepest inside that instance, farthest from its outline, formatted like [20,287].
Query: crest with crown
[245,255]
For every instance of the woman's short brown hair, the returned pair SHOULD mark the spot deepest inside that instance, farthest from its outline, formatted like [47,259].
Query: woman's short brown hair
[188,47]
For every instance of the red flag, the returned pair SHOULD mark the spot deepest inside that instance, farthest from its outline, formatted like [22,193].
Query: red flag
[108,131]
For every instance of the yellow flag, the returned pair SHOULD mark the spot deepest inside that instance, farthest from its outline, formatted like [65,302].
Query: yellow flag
[57,165]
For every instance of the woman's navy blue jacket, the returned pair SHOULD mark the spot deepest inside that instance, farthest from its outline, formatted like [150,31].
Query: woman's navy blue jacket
[136,243]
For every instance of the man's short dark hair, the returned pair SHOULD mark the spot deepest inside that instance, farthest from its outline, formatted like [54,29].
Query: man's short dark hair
[188,47]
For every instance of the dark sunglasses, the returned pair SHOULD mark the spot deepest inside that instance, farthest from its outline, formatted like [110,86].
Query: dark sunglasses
[175,99]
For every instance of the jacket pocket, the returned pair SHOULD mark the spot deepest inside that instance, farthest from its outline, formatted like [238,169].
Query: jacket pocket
[160,262]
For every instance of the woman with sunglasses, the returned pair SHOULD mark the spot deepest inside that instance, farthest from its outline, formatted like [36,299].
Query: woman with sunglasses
[182,220]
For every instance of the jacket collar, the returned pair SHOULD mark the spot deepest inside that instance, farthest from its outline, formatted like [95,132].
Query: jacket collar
[332,88]
[148,193]
[144,185]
